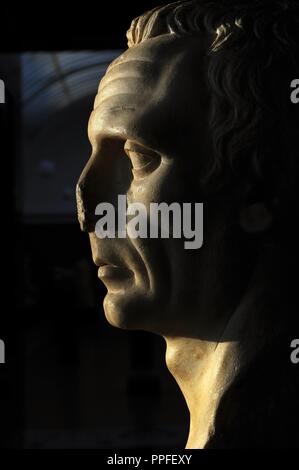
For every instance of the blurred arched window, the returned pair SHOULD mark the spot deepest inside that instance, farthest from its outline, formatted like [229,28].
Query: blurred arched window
[58,90]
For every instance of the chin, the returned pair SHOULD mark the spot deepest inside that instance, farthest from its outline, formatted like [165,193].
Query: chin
[131,312]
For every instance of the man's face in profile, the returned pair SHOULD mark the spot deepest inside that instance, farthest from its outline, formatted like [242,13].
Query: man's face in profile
[151,142]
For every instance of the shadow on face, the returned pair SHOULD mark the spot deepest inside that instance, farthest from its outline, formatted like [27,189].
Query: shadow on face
[151,143]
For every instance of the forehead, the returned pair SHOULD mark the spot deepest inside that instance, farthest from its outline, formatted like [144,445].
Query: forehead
[154,93]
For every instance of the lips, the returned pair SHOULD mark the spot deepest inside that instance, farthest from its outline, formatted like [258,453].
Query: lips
[112,263]
[109,271]
[114,277]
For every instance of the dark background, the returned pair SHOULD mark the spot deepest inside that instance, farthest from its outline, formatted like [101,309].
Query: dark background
[70,379]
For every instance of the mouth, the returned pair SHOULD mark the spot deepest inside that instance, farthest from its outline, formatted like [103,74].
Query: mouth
[114,277]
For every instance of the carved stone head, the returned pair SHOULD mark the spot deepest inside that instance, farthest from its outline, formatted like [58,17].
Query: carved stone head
[198,110]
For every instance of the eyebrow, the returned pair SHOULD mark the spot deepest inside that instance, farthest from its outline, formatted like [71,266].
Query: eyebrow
[133,144]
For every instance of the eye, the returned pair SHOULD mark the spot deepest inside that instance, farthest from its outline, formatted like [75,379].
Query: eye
[143,162]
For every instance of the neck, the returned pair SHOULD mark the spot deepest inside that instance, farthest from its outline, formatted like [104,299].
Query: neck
[205,370]
[203,373]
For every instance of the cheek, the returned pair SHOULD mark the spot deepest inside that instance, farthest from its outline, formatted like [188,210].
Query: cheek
[159,187]
[169,265]
[157,259]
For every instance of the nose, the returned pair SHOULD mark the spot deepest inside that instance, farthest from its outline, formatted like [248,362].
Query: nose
[86,198]
[106,175]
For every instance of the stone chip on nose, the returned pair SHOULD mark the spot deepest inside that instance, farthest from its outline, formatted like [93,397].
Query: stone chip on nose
[86,220]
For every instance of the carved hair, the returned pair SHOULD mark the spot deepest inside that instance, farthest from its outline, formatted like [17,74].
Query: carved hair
[253,50]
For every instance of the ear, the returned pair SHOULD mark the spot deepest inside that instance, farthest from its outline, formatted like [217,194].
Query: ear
[256,218]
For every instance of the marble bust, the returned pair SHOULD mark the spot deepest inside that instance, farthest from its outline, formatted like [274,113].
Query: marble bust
[198,109]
